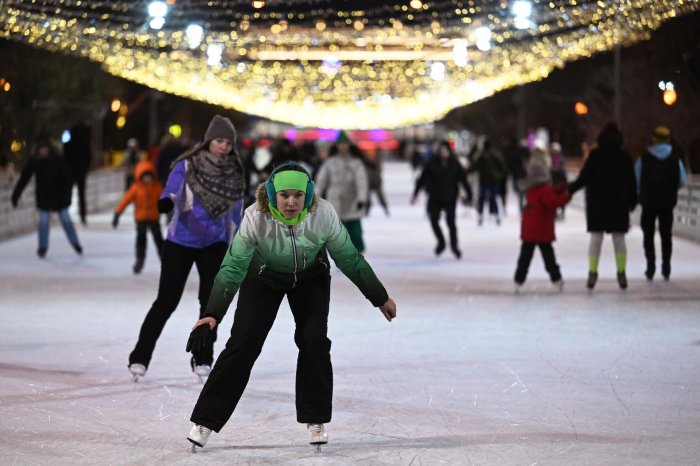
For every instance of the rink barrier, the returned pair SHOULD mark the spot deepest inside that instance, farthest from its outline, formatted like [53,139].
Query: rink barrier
[686,222]
[103,189]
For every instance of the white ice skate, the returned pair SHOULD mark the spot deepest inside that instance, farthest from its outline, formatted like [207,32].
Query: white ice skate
[198,436]
[137,371]
[559,285]
[202,372]
[318,435]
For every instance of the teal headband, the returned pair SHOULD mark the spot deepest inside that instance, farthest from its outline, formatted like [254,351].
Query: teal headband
[290,179]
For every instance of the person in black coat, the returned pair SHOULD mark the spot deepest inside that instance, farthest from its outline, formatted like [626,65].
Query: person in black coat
[660,174]
[441,178]
[611,193]
[53,185]
[78,155]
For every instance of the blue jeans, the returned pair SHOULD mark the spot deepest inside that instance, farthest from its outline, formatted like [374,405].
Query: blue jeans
[44,216]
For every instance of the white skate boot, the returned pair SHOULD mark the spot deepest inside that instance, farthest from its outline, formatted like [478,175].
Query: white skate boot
[137,371]
[318,435]
[198,436]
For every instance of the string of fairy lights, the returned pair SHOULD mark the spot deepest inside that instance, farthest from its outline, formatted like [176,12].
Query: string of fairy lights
[341,64]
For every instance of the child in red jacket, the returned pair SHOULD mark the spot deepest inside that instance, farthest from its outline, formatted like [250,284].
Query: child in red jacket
[144,193]
[537,227]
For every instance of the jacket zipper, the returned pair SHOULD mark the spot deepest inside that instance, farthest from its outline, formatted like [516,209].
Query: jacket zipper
[294,253]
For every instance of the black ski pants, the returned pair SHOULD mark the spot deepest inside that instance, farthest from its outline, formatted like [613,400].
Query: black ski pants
[527,250]
[257,308]
[435,208]
[176,262]
[142,229]
[648,222]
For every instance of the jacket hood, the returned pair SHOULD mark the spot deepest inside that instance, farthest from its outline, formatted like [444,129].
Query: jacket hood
[531,181]
[610,138]
[661,151]
[144,167]
[263,203]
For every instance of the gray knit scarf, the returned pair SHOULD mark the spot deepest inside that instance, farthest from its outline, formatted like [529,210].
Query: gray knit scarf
[217,182]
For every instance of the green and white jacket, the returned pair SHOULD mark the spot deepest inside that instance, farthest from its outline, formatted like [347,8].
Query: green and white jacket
[282,256]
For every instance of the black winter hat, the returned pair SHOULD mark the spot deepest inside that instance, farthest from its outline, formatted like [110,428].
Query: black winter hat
[220,127]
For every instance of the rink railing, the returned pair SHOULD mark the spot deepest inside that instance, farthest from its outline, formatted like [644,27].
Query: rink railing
[103,190]
[686,214]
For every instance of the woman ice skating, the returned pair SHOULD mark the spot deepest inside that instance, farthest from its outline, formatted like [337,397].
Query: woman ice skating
[537,227]
[441,178]
[611,194]
[280,250]
[144,192]
[205,192]
[53,186]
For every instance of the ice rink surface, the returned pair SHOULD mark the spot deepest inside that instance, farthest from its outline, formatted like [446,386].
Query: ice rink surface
[468,373]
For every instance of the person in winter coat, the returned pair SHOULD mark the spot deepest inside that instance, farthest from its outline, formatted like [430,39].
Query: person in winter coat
[492,170]
[441,178]
[53,187]
[132,156]
[537,224]
[611,194]
[144,193]
[205,193]
[342,180]
[373,167]
[280,250]
[660,173]
[78,154]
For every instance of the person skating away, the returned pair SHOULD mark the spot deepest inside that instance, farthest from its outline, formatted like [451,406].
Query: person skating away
[280,250]
[204,191]
[542,200]
[492,169]
[373,167]
[342,180]
[660,173]
[144,193]
[441,179]
[53,189]
[611,194]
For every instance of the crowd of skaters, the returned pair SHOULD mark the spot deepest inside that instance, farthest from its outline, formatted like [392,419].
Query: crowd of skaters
[241,217]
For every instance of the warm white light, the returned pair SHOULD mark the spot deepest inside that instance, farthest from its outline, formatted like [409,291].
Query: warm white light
[157,9]
[157,23]
[437,71]
[523,23]
[459,51]
[214,53]
[522,8]
[194,34]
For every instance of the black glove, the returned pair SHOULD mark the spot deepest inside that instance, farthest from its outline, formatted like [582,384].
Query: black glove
[200,338]
[165,205]
[115,220]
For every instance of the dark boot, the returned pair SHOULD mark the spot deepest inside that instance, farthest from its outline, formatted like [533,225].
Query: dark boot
[138,265]
[41,252]
[439,248]
[666,270]
[622,280]
[592,279]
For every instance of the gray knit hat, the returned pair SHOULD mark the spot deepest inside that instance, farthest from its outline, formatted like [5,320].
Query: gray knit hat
[536,169]
[220,127]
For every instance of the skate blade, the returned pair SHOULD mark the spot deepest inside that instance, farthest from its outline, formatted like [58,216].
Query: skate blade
[135,378]
[194,446]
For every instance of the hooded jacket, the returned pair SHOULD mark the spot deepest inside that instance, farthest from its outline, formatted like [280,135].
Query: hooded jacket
[144,195]
[611,190]
[660,174]
[342,179]
[539,212]
[281,256]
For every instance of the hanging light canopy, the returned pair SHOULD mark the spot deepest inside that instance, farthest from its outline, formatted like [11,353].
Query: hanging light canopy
[359,64]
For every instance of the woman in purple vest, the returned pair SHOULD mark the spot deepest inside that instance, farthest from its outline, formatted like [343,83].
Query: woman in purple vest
[204,192]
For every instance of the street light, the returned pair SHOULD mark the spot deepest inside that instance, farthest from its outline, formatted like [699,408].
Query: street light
[580,108]
[669,92]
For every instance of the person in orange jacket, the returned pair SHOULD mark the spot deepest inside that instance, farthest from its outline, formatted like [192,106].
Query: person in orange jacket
[144,193]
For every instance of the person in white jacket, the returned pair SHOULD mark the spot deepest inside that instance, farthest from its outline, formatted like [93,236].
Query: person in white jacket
[342,180]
